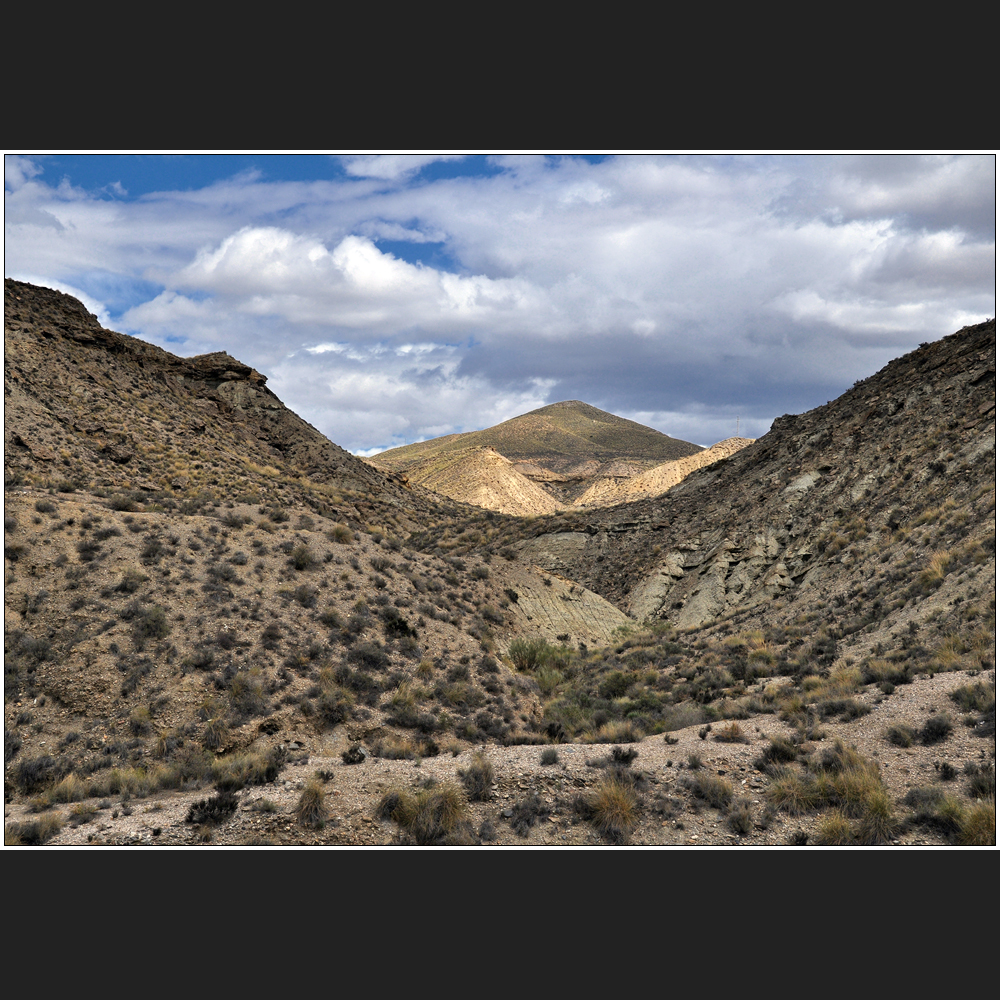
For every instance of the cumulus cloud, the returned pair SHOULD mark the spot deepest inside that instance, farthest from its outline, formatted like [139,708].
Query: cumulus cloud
[691,288]
[391,166]
[17,171]
[354,285]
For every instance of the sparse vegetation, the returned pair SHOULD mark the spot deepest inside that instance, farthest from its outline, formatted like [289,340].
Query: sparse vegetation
[613,807]
[170,603]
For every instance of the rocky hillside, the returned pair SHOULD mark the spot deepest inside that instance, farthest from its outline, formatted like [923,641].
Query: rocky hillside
[222,628]
[85,406]
[656,481]
[898,472]
[484,478]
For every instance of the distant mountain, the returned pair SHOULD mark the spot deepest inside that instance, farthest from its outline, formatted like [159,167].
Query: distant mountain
[568,438]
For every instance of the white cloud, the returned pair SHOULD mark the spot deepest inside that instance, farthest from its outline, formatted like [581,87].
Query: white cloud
[17,171]
[391,166]
[272,271]
[408,395]
[695,278]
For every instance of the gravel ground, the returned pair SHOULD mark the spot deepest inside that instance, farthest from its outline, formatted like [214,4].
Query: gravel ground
[670,817]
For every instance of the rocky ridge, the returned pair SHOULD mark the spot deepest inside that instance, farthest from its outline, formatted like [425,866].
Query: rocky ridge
[608,492]
[791,515]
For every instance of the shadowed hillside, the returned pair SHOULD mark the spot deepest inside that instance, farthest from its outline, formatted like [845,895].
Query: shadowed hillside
[893,480]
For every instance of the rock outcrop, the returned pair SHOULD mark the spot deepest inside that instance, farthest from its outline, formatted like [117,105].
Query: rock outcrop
[794,516]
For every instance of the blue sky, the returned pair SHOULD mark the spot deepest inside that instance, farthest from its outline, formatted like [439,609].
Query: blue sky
[391,298]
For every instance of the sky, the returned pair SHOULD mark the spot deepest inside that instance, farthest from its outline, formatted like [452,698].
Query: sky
[391,298]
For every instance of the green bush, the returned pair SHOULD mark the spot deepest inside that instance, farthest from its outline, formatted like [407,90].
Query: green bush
[528,654]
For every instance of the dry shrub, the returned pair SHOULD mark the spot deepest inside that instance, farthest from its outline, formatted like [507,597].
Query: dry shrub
[311,810]
[478,778]
[979,825]
[613,807]
[733,733]
[834,830]
[791,793]
[32,833]
[433,815]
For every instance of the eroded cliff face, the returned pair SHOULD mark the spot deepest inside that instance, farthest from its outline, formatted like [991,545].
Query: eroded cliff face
[89,405]
[823,498]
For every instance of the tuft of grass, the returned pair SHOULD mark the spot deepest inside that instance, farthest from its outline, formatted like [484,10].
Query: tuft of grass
[900,735]
[435,815]
[311,809]
[977,697]
[528,654]
[716,791]
[780,751]
[550,755]
[613,807]
[740,817]
[878,824]
[978,827]
[253,768]
[478,779]
[982,781]
[733,733]
[32,833]
[341,534]
[834,830]
[616,731]
[791,793]
[70,789]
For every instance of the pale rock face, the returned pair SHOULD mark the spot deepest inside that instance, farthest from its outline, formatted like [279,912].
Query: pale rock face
[555,551]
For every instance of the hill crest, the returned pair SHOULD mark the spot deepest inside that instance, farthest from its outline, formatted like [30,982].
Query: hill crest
[560,437]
